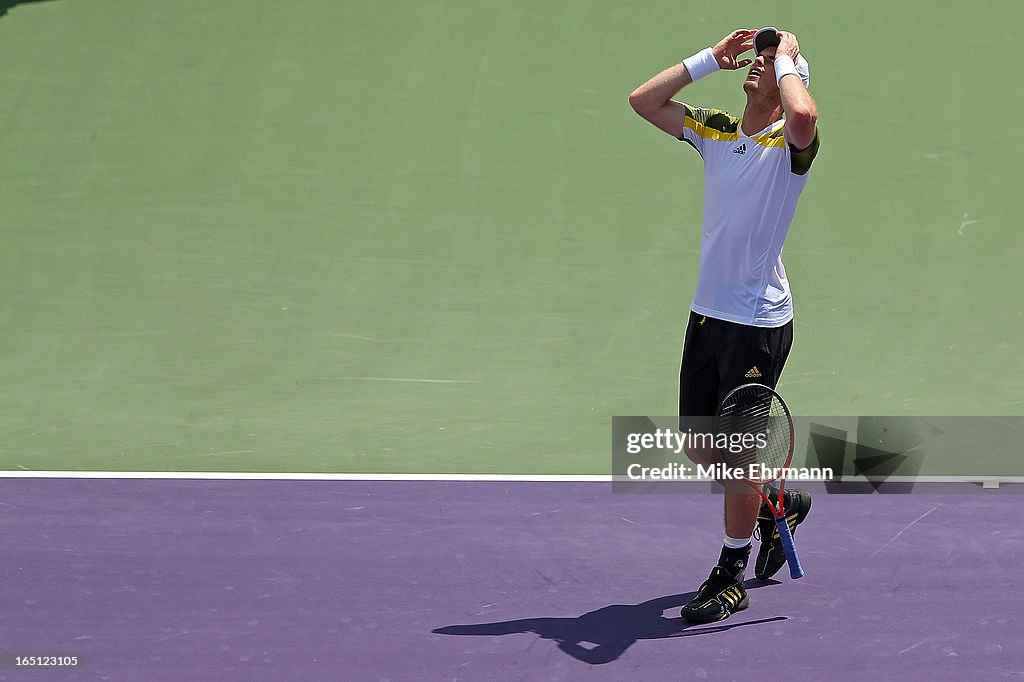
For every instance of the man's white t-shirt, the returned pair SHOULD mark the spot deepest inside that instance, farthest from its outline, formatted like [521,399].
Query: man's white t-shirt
[751,187]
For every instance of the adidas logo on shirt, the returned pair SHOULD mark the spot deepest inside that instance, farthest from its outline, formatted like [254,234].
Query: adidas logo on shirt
[753,373]
[742,149]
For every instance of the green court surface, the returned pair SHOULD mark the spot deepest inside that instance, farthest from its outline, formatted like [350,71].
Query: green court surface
[433,237]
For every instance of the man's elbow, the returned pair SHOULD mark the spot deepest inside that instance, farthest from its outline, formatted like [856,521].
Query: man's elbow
[636,101]
[803,118]
[641,103]
[802,124]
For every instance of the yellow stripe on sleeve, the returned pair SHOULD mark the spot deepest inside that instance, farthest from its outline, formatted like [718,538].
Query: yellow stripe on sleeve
[707,132]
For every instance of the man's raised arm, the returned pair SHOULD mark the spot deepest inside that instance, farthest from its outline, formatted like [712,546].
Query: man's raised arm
[653,100]
[801,111]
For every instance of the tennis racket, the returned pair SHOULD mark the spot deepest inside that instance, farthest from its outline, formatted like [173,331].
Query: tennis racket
[762,439]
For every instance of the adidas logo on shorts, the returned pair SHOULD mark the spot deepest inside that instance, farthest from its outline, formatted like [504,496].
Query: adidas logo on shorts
[753,373]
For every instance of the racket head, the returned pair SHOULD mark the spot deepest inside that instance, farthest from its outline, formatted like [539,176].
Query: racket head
[757,420]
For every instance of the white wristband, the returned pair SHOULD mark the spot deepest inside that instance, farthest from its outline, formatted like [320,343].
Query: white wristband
[701,64]
[784,66]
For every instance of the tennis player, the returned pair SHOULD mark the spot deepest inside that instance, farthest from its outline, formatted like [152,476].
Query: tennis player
[740,328]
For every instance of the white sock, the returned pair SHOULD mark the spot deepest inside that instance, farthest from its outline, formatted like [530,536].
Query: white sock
[736,543]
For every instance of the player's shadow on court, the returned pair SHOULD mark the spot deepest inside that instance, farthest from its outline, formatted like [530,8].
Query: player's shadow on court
[602,636]
[6,5]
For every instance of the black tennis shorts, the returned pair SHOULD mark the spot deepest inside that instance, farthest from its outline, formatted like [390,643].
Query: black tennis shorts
[718,356]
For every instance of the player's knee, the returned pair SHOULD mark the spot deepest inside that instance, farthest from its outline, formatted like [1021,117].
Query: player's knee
[700,456]
[697,446]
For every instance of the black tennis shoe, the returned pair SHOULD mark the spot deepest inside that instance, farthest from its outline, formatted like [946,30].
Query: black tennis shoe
[719,597]
[771,557]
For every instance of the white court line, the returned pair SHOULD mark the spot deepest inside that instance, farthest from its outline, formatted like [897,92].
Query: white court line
[504,478]
[291,476]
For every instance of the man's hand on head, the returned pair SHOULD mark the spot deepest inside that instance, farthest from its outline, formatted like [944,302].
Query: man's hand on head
[729,48]
[788,46]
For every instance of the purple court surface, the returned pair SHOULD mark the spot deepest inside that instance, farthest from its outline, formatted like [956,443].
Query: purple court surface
[373,580]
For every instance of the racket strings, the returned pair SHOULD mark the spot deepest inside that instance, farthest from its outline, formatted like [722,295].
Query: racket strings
[756,418]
